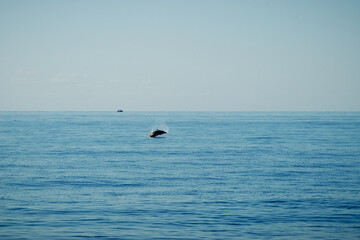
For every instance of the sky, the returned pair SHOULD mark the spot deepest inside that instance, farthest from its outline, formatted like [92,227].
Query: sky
[179,55]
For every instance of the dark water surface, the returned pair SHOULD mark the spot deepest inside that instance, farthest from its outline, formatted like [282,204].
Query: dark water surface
[215,175]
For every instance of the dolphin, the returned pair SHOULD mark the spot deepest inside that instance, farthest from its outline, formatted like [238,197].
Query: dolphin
[157,132]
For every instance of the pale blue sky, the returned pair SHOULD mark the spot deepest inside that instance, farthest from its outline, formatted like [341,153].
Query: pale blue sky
[180,55]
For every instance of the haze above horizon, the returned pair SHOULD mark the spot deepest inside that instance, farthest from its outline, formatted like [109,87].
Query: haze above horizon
[204,55]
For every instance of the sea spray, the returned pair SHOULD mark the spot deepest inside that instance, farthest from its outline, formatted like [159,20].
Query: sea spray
[160,125]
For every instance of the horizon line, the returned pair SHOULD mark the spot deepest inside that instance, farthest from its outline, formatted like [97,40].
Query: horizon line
[124,111]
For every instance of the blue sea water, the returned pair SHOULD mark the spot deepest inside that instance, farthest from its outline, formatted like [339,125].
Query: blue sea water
[215,175]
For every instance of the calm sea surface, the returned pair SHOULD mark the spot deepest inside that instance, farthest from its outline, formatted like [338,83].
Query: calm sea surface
[215,175]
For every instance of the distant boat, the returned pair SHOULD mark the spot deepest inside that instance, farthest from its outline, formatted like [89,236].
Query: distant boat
[119,110]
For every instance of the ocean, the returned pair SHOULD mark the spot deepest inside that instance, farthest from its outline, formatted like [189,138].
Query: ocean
[214,175]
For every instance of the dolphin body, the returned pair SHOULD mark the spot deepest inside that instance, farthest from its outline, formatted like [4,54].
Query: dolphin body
[157,132]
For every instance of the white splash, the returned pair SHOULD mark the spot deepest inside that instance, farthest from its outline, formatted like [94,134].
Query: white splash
[160,125]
